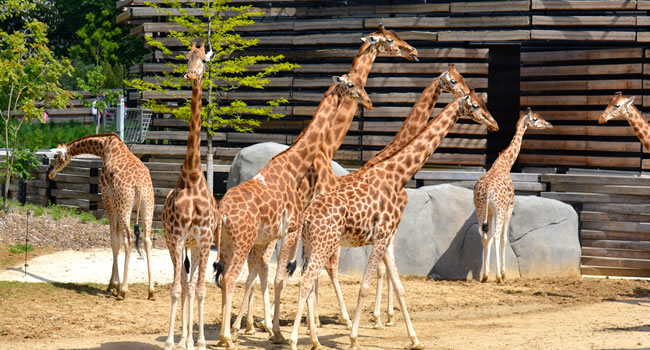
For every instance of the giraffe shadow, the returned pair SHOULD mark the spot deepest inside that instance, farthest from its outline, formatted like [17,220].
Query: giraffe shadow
[119,345]
[82,288]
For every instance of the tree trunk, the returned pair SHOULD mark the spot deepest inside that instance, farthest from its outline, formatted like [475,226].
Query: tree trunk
[210,165]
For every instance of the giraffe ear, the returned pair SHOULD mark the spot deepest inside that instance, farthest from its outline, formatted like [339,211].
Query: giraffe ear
[629,100]
[338,80]
[363,38]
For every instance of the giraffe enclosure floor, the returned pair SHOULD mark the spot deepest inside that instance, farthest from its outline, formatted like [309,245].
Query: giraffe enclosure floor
[59,312]
[520,314]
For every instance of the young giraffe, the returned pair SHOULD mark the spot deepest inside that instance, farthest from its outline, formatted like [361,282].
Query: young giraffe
[363,212]
[257,212]
[190,217]
[494,197]
[124,182]
[449,81]
[623,108]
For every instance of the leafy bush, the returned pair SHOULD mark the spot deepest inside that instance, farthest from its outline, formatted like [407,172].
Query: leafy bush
[20,248]
[43,136]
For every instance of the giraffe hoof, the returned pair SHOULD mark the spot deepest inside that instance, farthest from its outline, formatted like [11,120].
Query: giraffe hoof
[226,342]
[277,338]
[250,331]
[484,279]
[390,324]
[348,326]
[316,346]
[261,326]
[416,346]
[378,325]
[122,295]
[293,345]
[353,344]
[151,296]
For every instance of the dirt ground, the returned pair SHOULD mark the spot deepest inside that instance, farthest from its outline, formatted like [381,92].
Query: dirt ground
[580,313]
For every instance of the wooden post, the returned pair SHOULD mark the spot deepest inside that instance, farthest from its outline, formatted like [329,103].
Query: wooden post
[503,96]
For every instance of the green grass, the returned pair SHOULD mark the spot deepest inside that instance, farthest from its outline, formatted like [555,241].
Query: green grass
[57,212]
[20,248]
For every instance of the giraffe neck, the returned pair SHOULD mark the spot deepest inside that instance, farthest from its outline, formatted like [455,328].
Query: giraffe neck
[340,122]
[508,156]
[413,124]
[398,169]
[94,144]
[297,159]
[640,126]
[192,162]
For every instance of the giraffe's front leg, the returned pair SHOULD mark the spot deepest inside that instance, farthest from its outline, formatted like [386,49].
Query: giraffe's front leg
[114,283]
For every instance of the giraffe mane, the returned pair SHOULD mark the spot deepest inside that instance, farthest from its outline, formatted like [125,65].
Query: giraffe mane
[92,136]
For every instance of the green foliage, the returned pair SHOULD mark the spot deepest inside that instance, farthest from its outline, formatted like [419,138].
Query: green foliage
[55,211]
[35,136]
[228,70]
[11,8]
[98,37]
[20,248]
[29,83]
[24,162]
[94,82]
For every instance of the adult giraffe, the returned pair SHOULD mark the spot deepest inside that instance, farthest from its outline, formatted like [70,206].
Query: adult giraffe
[367,211]
[254,214]
[190,217]
[124,182]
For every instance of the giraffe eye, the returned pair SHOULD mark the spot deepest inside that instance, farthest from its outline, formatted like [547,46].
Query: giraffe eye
[617,105]
[350,85]
[453,81]
[389,40]
[475,106]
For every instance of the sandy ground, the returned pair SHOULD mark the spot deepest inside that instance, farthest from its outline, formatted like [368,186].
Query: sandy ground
[519,314]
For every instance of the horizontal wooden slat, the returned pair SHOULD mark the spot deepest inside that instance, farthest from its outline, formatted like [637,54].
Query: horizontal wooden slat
[578,145]
[615,253]
[610,21]
[595,35]
[620,263]
[492,35]
[632,245]
[609,69]
[582,85]
[604,271]
[583,4]
[579,55]
[489,6]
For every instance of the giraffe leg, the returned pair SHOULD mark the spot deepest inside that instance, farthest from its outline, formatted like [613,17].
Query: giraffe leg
[148,217]
[389,261]
[184,304]
[389,305]
[191,293]
[315,265]
[378,252]
[498,230]
[247,301]
[200,285]
[311,320]
[314,310]
[504,241]
[333,271]
[288,250]
[123,219]
[233,269]
[376,313]
[264,282]
[486,240]
[114,283]
[176,253]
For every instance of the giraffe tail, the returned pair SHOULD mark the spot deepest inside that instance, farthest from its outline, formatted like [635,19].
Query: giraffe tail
[485,225]
[218,265]
[136,227]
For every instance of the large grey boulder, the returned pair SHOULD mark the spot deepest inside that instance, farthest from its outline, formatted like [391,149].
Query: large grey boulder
[438,237]
[251,159]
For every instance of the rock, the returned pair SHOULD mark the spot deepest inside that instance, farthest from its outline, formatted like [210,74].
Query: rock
[251,159]
[438,237]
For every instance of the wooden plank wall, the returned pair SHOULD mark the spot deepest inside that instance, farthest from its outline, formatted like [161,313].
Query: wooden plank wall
[571,89]
[614,219]
[575,54]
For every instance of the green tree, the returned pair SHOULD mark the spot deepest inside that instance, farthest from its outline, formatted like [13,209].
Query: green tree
[29,83]
[229,68]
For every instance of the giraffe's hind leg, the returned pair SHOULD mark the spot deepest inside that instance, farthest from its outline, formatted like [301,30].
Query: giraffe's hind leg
[487,234]
[504,240]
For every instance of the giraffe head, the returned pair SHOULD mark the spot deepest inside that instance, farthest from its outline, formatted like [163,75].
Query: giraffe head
[451,81]
[61,159]
[472,107]
[195,65]
[619,108]
[352,87]
[532,120]
[388,43]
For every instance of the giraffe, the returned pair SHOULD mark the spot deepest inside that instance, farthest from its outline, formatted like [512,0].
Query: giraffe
[623,108]
[124,182]
[449,81]
[494,197]
[363,212]
[190,217]
[254,214]
[320,177]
